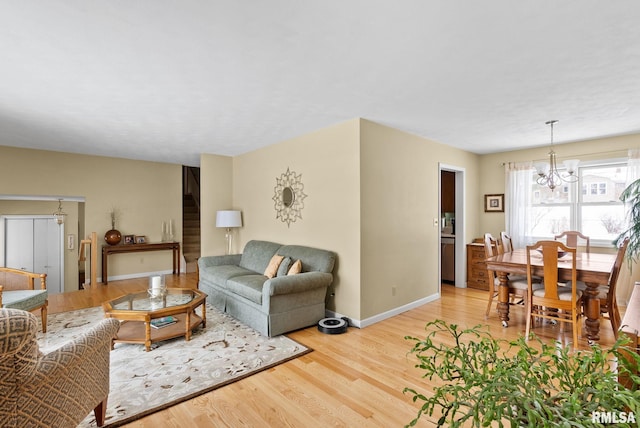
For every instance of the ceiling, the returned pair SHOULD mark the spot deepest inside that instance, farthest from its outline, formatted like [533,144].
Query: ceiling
[169,80]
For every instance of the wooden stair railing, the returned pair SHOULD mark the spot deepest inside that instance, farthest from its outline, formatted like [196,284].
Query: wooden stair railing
[92,243]
[193,185]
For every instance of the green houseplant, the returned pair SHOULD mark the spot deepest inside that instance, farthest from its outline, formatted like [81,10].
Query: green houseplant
[631,197]
[482,381]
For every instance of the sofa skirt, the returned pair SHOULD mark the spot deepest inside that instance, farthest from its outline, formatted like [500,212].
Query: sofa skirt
[295,316]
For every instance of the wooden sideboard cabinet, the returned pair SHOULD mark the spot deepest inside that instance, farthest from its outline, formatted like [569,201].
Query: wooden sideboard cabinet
[476,267]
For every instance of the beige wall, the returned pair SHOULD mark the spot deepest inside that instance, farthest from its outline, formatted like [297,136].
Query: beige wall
[493,172]
[143,193]
[9,207]
[216,174]
[400,198]
[372,193]
[327,161]
[493,181]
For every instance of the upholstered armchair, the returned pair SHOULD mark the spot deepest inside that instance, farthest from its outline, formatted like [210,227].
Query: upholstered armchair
[18,291]
[58,389]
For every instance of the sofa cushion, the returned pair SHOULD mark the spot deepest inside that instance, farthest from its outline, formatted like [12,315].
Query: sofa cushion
[257,255]
[284,266]
[274,264]
[247,286]
[24,299]
[220,274]
[313,259]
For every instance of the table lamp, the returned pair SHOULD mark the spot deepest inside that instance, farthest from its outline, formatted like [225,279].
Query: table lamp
[228,219]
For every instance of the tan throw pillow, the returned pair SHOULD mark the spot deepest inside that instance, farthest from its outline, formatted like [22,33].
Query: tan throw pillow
[295,268]
[272,269]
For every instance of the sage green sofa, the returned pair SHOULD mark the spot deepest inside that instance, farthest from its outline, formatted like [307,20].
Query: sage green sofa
[236,284]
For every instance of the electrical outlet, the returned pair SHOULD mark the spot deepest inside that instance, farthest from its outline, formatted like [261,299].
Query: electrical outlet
[71,242]
[393,290]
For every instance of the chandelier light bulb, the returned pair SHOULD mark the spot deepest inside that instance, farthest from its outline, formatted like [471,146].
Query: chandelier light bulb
[548,174]
[59,215]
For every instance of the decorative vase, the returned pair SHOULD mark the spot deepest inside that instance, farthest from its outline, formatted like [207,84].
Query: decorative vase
[113,237]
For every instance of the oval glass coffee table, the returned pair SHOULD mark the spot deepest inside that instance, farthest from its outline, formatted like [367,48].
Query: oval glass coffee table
[137,310]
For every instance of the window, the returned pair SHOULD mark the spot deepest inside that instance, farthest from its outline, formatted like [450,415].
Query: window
[592,205]
[595,189]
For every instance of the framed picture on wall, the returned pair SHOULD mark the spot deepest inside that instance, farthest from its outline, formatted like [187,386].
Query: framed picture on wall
[141,239]
[128,239]
[494,203]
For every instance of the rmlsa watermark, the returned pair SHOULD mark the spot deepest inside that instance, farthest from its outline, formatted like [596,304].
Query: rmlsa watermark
[613,417]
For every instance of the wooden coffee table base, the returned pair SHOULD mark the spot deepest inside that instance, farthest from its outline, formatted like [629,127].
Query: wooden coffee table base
[141,331]
[137,310]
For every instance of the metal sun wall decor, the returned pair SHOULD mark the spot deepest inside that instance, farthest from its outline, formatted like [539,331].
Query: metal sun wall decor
[289,197]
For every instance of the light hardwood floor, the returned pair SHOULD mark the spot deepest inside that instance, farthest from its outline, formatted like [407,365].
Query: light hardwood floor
[349,380]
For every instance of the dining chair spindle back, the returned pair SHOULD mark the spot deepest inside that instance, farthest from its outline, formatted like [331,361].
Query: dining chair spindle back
[572,238]
[553,301]
[609,305]
[517,285]
[506,241]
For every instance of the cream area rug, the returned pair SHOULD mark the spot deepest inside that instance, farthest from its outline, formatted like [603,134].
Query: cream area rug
[174,370]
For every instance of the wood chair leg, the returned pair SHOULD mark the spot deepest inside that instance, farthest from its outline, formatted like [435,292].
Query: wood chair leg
[492,294]
[529,318]
[100,412]
[43,317]
[574,327]
[614,326]
[616,319]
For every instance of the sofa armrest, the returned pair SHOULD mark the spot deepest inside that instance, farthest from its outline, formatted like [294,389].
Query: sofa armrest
[296,283]
[208,261]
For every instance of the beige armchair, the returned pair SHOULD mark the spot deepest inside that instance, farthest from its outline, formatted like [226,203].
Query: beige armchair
[18,291]
[58,389]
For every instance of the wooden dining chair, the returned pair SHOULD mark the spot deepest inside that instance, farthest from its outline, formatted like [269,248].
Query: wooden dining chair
[507,243]
[572,238]
[517,285]
[609,304]
[607,293]
[553,301]
[507,247]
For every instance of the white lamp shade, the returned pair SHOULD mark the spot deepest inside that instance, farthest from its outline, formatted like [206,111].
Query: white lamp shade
[571,165]
[229,218]
[542,168]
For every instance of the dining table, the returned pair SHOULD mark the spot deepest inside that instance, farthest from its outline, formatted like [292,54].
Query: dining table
[594,269]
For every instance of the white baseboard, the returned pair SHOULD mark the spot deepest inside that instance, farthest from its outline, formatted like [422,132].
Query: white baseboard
[137,275]
[383,316]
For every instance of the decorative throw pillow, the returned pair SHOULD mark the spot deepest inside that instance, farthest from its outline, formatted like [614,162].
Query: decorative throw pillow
[274,264]
[295,268]
[284,266]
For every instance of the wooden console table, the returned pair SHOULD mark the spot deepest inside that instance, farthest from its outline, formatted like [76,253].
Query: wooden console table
[136,248]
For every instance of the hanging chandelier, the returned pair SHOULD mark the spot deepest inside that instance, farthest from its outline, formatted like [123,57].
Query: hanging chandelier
[59,215]
[548,174]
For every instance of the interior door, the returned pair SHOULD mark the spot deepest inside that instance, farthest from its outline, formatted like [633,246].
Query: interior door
[47,252]
[35,244]
[19,243]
